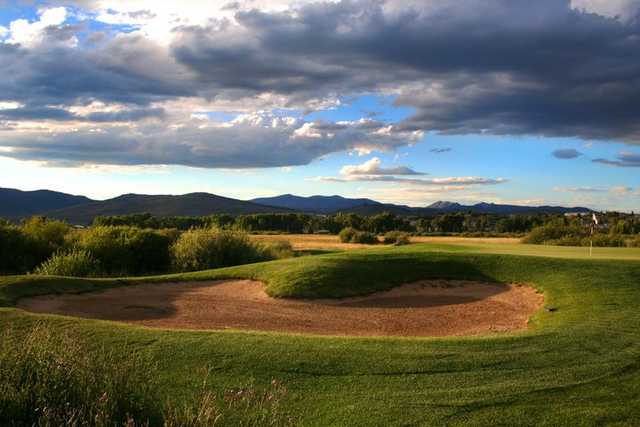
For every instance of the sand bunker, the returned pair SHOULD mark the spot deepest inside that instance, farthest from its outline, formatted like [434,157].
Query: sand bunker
[427,308]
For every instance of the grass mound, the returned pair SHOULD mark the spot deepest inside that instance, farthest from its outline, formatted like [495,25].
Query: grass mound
[577,363]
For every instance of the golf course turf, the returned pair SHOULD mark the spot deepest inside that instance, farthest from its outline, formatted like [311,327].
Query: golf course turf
[577,364]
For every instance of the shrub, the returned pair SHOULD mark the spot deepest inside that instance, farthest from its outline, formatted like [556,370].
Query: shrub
[51,379]
[396,238]
[16,251]
[364,237]
[202,249]
[634,242]
[126,250]
[347,234]
[568,235]
[351,235]
[47,236]
[605,240]
[76,263]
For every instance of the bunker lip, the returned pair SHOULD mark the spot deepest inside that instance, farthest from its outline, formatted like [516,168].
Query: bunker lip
[433,308]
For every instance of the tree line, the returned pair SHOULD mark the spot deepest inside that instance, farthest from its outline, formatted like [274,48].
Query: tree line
[297,223]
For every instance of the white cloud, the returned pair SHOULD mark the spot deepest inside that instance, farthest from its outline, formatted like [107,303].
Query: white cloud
[623,191]
[31,33]
[374,167]
[578,190]
[623,9]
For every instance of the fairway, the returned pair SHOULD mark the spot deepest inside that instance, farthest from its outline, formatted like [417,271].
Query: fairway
[577,364]
[494,245]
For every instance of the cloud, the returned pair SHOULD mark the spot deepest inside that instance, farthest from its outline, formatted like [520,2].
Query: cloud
[440,150]
[373,167]
[248,141]
[578,190]
[624,191]
[546,68]
[32,113]
[28,33]
[566,153]
[447,183]
[625,159]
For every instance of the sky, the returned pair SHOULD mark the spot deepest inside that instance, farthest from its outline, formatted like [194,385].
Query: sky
[401,101]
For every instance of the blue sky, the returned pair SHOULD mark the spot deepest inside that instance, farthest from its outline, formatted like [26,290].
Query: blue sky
[250,100]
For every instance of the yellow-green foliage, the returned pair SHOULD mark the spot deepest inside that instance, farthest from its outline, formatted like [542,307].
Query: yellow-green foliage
[206,248]
[397,238]
[76,263]
[351,235]
[126,250]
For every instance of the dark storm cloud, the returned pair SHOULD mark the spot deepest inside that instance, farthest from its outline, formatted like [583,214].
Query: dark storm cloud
[245,144]
[30,113]
[623,160]
[566,153]
[127,69]
[503,67]
[496,66]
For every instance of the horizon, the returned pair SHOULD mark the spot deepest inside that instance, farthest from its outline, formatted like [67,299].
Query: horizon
[523,104]
[313,195]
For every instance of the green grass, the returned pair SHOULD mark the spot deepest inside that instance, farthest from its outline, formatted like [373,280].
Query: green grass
[576,365]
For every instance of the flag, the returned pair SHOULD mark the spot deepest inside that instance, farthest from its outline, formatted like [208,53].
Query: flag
[595,219]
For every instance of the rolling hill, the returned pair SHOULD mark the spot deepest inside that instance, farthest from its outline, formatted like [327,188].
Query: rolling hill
[16,204]
[334,204]
[193,204]
[316,204]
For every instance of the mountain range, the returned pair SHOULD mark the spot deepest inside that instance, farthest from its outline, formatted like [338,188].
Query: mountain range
[17,204]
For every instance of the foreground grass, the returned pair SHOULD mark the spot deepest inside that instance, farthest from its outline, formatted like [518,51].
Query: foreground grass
[577,365]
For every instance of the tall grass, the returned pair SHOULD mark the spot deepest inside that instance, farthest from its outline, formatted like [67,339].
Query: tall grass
[49,379]
[76,263]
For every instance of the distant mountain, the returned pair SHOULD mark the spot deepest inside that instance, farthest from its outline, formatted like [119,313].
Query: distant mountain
[194,204]
[492,208]
[317,204]
[16,204]
[334,204]
[445,206]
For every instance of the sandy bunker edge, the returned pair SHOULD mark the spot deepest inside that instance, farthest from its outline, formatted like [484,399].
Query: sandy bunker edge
[425,308]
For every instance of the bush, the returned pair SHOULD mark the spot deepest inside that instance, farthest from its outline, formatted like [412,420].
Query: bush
[127,250]
[76,263]
[558,234]
[16,251]
[605,240]
[364,237]
[347,234]
[634,242]
[396,238]
[47,236]
[203,249]
[351,235]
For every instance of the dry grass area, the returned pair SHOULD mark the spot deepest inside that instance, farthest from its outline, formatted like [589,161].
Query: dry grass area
[425,308]
[330,242]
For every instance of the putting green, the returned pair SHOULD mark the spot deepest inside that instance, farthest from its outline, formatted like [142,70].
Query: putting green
[578,364]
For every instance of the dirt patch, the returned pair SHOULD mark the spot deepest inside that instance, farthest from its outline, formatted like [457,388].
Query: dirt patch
[427,308]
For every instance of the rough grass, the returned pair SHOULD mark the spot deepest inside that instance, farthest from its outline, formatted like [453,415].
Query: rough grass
[578,364]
